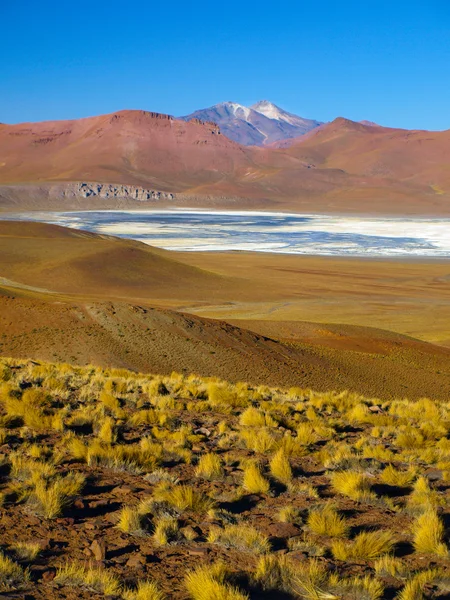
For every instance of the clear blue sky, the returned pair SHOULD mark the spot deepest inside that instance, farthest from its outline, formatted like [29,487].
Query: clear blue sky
[387,62]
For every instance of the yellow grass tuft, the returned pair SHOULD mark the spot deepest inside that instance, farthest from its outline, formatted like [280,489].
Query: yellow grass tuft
[49,498]
[366,546]
[390,566]
[289,514]
[166,531]
[353,484]
[428,532]
[208,583]
[393,476]
[241,537]
[254,481]
[209,467]
[26,551]
[145,590]
[12,576]
[280,467]
[185,497]
[413,589]
[130,521]
[327,521]
[96,580]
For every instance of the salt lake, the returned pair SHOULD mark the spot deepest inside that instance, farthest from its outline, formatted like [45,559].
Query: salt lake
[201,230]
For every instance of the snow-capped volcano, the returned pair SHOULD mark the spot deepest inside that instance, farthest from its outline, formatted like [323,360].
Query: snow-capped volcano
[257,125]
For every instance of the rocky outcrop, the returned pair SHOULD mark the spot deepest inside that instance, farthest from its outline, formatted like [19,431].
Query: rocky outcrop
[127,192]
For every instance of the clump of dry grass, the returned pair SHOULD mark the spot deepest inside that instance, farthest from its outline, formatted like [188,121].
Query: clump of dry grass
[280,467]
[241,537]
[166,531]
[88,577]
[353,484]
[390,566]
[26,551]
[254,481]
[428,533]
[289,514]
[209,467]
[393,476]
[367,545]
[130,521]
[49,498]
[145,590]
[327,521]
[12,576]
[209,582]
[185,497]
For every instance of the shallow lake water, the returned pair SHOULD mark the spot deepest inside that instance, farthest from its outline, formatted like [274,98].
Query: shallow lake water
[200,230]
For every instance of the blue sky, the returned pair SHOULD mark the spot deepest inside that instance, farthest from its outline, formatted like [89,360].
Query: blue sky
[387,62]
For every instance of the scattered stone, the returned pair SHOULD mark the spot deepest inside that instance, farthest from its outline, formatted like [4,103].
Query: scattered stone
[282,530]
[49,575]
[136,561]
[79,504]
[98,503]
[98,549]
[203,431]
[198,551]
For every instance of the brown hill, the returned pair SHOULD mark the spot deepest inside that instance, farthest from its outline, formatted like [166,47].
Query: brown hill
[343,166]
[68,295]
[65,260]
[419,157]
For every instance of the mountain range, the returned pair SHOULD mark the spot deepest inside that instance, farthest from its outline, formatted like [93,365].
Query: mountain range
[341,166]
[258,125]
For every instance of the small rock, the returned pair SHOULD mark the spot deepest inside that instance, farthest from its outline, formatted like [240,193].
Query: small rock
[89,526]
[298,555]
[49,575]
[198,551]
[69,521]
[79,504]
[136,561]
[282,530]
[203,431]
[98,504]
[87,552]
[98,549]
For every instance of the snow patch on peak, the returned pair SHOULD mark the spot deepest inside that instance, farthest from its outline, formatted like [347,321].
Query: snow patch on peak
[269,110]
[237,109]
